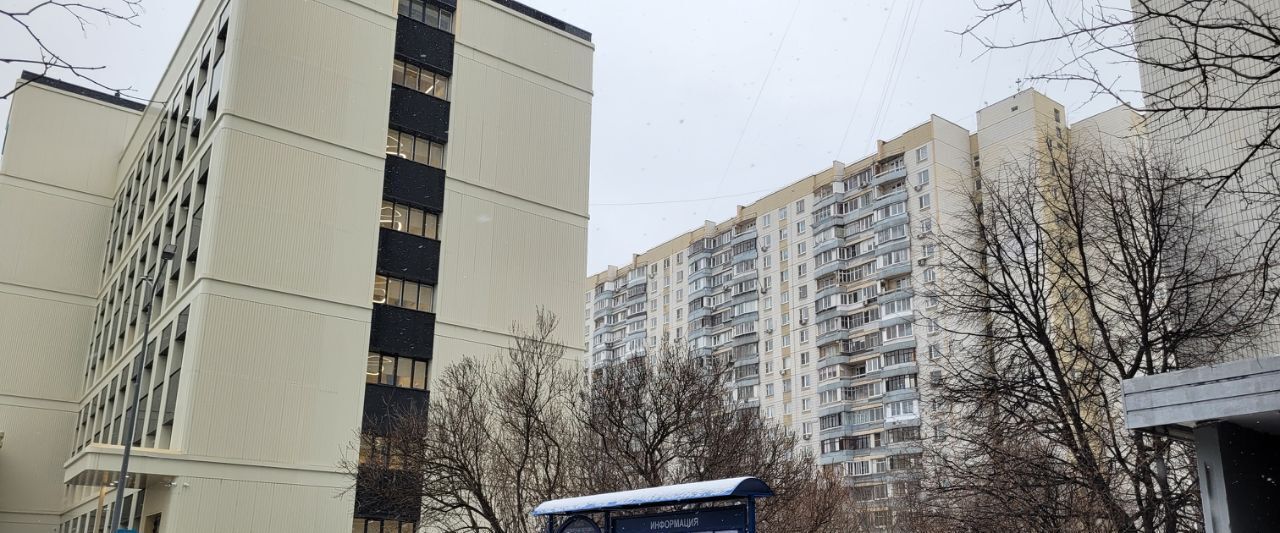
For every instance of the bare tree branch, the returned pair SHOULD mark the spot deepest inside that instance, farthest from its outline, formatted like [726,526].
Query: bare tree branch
[43,56]
[1205,63]
[1061,278]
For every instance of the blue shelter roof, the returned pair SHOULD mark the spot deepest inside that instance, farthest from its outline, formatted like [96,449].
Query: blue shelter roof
[701,491]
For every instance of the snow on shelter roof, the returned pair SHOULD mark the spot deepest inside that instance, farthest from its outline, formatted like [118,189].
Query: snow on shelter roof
[701,491]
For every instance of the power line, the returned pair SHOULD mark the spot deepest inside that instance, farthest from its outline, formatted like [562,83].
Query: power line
[982,94]
[734,153]
[902,63]
[857,104]
[656,202]
[899,54]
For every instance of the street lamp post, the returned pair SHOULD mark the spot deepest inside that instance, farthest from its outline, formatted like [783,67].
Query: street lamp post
[131,421]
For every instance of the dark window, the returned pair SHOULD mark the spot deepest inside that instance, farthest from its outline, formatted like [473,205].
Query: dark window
[401,293]
[428,14]
[400,217]
[401,144]
[419,79]
[400,372]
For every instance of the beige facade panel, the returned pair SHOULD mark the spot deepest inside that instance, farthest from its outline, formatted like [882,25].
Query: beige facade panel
[38,324]
[1116,129]
[1013,128]
[516,133]
[319,75]
[501,260]
[208,504]
[35,444]
[66,141]
[513,38]
[59,164]
[65,256]
[283,218]
[250,361]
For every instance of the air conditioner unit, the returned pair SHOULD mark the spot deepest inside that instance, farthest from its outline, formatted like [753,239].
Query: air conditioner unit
[804,321]
[769,331]
[807,436]
[921,235]
[922,261]
[919,187]
[786,372]
[764,248]
[764,289]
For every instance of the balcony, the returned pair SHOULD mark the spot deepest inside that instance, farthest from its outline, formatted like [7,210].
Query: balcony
[828,244]
[897,195]
[832,336]
[902,291]
[890,271]
[891,221]
[896,344]
[830,267]
[887,176]
[826,222]
[698,247]
[827,199]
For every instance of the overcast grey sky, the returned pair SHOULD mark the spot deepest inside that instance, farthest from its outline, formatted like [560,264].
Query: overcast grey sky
[707,104]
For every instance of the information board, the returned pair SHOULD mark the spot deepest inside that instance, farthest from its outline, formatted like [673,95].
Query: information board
[717,520]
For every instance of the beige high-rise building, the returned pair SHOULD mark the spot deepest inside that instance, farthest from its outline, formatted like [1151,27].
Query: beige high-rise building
[817,292]
[357,192]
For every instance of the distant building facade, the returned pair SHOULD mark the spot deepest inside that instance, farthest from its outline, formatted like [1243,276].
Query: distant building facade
[1228,410]
[817,293]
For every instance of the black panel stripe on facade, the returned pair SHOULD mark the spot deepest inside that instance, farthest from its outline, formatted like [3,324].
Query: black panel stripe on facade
[403,332]
[383,400]
[425,45]
[420,114]
[405,256]
[415,184]
[380,508]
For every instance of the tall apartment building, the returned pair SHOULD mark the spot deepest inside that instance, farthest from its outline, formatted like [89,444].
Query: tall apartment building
[1211,142]
[345,183]
[817,292]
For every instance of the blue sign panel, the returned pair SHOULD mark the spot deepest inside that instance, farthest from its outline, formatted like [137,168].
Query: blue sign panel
[715,519]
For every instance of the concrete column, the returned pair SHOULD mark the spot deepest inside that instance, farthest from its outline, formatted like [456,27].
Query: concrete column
[1239,478]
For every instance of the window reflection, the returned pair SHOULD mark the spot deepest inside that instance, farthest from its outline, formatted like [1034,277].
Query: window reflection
[420,79]
[403,372]
[403,293]
[400,217]
[428,14]
[407,146]
[380,290]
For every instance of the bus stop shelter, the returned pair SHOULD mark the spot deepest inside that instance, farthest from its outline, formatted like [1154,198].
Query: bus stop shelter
[718,506]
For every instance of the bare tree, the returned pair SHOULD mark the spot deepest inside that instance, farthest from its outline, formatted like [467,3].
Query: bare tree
[501,437]
[497,441]
[666,418]
[1060,279]
[1208,65]
[43,57]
